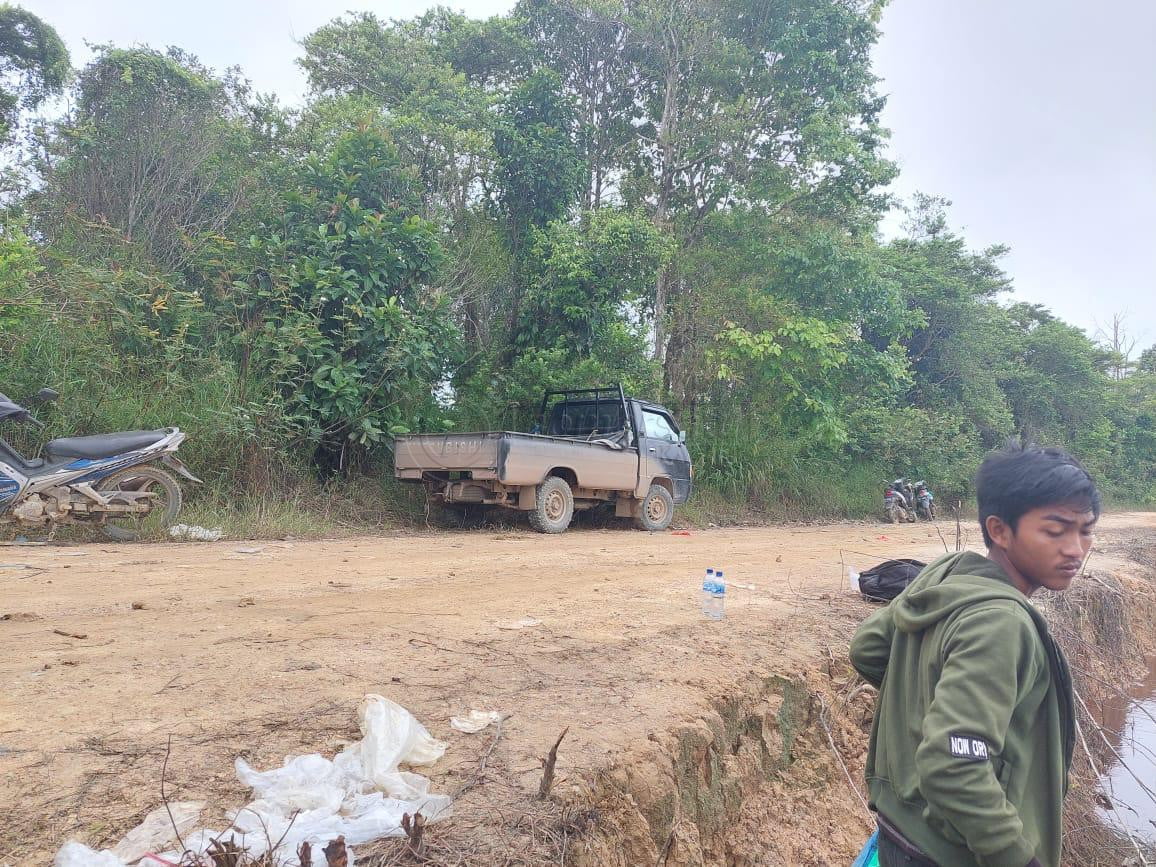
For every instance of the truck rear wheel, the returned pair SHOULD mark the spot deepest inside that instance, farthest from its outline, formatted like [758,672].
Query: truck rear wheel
[553,506]
[656,510]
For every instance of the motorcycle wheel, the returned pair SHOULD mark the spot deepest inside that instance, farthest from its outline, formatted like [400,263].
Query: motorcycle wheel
[166,503]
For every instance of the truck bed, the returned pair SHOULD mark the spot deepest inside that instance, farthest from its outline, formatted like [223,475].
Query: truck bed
[514,458]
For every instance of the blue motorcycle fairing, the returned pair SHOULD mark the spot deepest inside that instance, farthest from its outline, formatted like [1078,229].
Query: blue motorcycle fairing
[9,488]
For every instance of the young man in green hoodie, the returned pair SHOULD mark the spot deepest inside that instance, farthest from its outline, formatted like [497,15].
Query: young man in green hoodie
[974,725]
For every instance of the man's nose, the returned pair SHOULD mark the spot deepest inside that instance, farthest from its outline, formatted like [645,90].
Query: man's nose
[1076,547]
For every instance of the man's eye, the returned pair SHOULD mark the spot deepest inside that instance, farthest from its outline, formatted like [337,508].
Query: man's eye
[1055,534]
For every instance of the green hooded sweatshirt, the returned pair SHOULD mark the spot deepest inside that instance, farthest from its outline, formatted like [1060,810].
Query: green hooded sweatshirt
[974,724]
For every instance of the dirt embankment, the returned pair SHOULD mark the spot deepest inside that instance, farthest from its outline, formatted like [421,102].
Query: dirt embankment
[690,742]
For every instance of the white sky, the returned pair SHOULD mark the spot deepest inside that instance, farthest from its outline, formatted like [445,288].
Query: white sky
[1037,118]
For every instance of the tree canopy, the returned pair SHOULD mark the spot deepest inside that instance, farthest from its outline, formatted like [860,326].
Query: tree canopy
[683,197]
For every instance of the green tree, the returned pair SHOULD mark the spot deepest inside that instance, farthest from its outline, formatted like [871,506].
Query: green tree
[433,78]
[589,46]
[337,306]
[585,275]
[1056,379]
[155,147]
[537,174]
[33,65]
[1147,361]
[958,348]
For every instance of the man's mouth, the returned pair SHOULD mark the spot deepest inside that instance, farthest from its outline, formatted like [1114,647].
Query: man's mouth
[1071,569]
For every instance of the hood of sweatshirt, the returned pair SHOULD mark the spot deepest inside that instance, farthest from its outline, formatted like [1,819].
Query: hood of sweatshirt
[950,583]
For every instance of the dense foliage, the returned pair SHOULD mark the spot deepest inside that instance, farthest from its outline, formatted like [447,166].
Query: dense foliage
[684,197]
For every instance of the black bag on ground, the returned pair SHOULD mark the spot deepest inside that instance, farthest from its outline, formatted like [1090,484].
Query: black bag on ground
[884,582]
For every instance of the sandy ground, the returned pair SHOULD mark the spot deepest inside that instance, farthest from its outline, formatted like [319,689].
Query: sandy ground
[264,649]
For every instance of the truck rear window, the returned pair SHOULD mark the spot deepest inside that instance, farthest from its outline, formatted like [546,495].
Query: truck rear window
[583,418]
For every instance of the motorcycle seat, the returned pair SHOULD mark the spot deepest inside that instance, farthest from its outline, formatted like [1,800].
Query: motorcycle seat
[102,445]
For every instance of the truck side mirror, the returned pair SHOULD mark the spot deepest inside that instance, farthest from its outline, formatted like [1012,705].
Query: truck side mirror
[682,436]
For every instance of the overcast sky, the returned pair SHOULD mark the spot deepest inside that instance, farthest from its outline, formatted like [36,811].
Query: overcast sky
[1037,118]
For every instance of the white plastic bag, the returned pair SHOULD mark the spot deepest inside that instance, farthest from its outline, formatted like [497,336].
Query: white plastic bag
[156,831]
[475,721]
[197,534]
[361,795]
[391,736]
[73,854]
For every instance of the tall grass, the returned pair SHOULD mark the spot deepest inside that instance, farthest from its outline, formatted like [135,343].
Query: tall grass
[761,473]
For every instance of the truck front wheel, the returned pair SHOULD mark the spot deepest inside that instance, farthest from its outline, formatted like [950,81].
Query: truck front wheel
[553,506]
[656,510]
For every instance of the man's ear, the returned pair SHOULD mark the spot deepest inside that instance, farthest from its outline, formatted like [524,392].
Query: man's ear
[1001,534]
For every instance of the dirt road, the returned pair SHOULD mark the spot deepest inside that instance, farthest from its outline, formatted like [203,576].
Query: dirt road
[263,649]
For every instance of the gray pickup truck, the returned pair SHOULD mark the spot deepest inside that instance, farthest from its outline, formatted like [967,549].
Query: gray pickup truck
[591,446]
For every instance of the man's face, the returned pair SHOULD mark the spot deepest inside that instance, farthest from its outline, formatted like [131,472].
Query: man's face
[1049,545]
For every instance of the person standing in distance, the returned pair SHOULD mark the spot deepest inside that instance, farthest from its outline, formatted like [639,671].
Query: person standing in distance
[974,723]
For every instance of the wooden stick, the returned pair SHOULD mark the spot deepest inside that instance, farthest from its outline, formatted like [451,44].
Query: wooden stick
[548,767]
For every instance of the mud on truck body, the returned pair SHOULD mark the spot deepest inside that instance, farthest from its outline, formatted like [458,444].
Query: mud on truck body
[590,447]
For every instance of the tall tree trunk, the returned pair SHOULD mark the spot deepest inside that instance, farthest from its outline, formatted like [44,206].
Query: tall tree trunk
[666,147]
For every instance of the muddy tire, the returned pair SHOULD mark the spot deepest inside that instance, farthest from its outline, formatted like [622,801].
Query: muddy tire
[891,516]
[166,503]
[656,510]
[553,506]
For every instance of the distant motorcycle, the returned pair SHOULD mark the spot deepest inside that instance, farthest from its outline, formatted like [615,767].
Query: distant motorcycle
[898,498]
[924,501]
[112,481]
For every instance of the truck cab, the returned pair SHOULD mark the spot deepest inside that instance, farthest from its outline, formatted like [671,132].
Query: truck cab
[607,415]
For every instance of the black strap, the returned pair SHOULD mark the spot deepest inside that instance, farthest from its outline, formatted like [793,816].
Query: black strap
[916,855]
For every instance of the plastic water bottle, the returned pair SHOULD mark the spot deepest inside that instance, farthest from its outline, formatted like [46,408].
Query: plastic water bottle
[714,590]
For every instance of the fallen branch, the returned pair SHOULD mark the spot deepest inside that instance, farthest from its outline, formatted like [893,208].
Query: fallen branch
[548,764]
[481,772]
[70,634]
[941,539]
[838,755]
[164,797]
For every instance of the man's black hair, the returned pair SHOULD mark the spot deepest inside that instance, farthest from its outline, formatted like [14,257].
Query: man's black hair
[1019,478]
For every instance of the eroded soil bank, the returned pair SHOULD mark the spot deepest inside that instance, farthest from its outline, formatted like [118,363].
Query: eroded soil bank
[689,742]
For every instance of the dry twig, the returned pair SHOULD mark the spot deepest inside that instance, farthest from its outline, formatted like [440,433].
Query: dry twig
[479,777]
[336,854]
[823,721]
[164,797]
[548,767]
[414,834]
